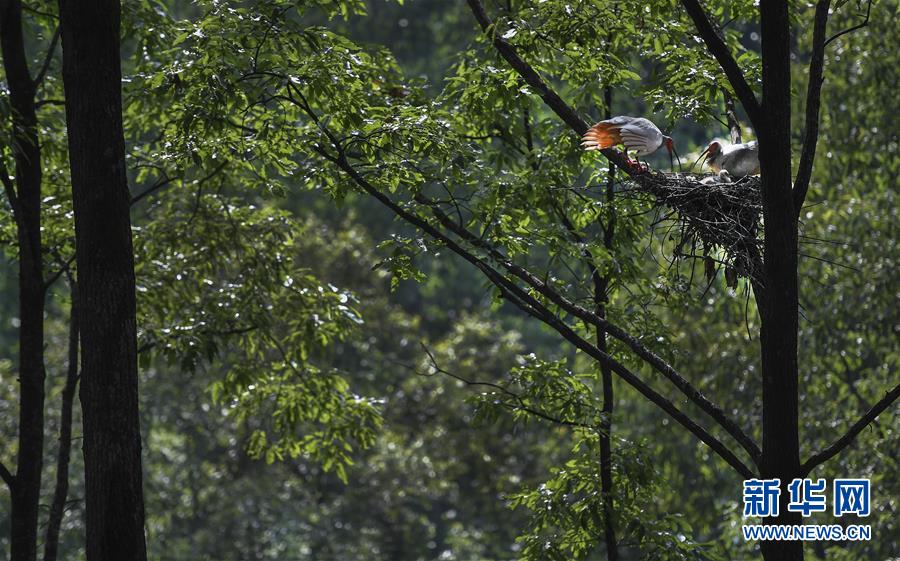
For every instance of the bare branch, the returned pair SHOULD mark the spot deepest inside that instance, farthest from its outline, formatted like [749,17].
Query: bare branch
[821,457]
[48,58]
[11,195]
[857,27]
[64,267]
[813,103]
[7,477]
[533,79]
[42,102]
[37,12]
[64,453]
[734,127]
[719,50]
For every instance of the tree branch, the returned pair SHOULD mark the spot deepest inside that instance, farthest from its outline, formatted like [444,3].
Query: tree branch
[533,307]
[533,79]
[7,477]
[519,401]
[64,267]
[166,180]
[813,103]
[64,453]
[601,299]
[10,190]
[48,58]
[657,362]
[734,127]
[845,440]
[719,50]
[857,27]
[567,114]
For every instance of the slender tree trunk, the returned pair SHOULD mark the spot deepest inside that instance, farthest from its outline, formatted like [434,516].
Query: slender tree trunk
[25,198]
[781,443]
[109,383]
[601,298]
[61,493]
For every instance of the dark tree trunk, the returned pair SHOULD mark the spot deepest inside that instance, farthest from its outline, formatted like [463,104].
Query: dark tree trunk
[25,198]
[781,443]
[601,298]
[61,493]
[109,382]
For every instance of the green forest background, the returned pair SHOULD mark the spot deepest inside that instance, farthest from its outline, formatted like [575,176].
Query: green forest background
[432,470]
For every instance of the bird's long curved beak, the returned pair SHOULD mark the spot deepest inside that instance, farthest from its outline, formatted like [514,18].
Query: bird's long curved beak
[676,158]
[703,155]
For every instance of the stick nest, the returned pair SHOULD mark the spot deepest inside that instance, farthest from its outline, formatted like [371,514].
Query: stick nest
[716,221]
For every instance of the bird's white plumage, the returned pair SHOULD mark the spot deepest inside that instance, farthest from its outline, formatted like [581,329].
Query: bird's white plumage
[641,136]
[738,160]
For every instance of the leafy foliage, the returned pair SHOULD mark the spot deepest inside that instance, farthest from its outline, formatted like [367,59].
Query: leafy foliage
[267,311]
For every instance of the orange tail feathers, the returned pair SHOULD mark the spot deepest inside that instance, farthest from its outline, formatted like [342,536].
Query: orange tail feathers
[601,136]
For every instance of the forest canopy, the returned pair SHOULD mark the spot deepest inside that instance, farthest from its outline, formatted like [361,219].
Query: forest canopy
[366,296]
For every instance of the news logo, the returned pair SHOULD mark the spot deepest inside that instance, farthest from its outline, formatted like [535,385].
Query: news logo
[806,496]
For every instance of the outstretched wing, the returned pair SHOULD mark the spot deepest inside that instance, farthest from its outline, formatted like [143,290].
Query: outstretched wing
[604,134]
[641,137]
[635,134]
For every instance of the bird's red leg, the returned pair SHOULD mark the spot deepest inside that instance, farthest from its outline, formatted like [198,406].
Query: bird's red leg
[633,164]
[640,166]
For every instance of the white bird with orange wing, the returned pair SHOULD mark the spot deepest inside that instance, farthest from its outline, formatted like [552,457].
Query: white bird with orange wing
[636,134]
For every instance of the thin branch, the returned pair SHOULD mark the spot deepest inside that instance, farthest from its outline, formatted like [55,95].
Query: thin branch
[63,457]
[64,267]
[533,79]
[11,195]
[42,102]
[857,27]
[224,333]
[7,477]
[719,50]
[813,103]
[152,189]
[667,406]
[48,58]
[39,12]
[601,299]
[830,262]
[167,180]
[821,457]
[734,127]
[519,401]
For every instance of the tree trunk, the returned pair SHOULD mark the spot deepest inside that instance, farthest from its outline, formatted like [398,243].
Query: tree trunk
[109,383]
[601,298]
[61,493]
[25,198]
[781,443]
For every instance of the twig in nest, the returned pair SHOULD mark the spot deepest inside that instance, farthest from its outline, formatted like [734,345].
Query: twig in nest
[721,216]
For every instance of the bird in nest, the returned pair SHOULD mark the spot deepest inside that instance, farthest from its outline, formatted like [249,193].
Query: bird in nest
[738,160]
[636,134]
